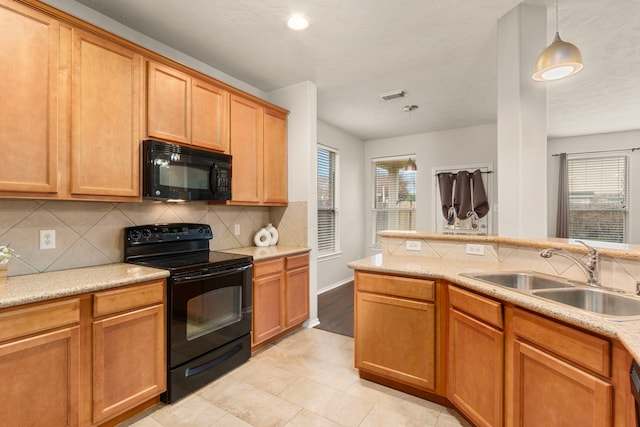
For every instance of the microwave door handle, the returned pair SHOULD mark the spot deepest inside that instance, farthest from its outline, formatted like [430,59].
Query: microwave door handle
[213,180]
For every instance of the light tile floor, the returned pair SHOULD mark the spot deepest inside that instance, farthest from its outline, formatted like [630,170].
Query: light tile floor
[306,379]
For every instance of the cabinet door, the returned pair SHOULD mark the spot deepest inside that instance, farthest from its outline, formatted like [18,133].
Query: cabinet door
[40,379]
[29,52]
[106,110]
[297,296]
[246,127]
[168,103]
[267,307]
[549,392]
[395,338]
[209,116]
[475,369]
[129,364]
[275,158]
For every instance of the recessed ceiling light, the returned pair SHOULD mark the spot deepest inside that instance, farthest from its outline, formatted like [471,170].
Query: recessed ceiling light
[297,22]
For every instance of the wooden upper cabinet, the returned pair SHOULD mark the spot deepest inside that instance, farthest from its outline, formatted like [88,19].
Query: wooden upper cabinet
[106,114]
[275,183]
[168,103]
[185,109]
[246,126]
[29,55]
[258,138]
[209,116]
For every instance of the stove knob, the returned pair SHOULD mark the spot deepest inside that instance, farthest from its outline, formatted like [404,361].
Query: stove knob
[135,235]
[146,233]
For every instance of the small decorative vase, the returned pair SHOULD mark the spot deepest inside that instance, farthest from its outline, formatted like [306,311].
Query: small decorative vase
[274,233]
[262,238]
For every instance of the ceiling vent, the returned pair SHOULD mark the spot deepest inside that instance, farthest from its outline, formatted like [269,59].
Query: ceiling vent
[393,95]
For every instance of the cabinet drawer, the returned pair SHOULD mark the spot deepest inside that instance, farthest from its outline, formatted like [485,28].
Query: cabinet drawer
[31,320]
[263,268]
[297,261]
[398,286]
[484,309]
[119,300]
[579,347]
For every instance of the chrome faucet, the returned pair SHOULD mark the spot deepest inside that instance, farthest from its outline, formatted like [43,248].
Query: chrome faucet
[591,269]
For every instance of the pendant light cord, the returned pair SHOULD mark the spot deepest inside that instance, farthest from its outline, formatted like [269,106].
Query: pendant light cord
[556,16]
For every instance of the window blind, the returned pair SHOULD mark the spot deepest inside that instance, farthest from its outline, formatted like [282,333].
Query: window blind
[598,198]
[327,206]
[394,201]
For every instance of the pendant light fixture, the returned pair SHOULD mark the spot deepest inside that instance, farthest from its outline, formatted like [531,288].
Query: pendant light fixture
[410,166]
[559,60]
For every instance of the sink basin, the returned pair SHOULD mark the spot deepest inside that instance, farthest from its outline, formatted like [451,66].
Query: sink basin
[595,300]
[523,281]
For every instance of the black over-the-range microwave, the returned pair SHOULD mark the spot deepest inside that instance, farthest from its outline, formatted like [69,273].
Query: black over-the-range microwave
[174,172]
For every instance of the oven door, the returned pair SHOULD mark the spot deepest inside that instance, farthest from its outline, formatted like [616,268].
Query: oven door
[207,311]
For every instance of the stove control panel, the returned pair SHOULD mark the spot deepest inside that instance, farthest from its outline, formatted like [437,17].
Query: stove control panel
[157,233]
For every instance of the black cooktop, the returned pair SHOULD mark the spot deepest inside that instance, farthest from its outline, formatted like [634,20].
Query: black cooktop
[193,261]
[177,247]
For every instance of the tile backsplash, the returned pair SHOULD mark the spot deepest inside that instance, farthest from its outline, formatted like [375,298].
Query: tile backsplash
[91,233]
[616,273]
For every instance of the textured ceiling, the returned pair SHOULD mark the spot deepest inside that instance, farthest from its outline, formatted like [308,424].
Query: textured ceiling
[443,53]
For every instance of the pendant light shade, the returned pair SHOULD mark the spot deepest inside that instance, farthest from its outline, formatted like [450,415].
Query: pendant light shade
[410,166]
[559,60]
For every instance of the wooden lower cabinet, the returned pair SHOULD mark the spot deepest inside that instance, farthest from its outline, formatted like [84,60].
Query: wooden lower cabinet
[396,330]
[83,360]
[557,375]
[268,309]
[280,297]
[39,368]
[475,362]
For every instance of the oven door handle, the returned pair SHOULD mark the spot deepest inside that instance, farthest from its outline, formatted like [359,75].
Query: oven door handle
[180,279]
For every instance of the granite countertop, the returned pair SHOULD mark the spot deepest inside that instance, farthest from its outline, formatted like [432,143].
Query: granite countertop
[628,332]
[260,253]
[18,290]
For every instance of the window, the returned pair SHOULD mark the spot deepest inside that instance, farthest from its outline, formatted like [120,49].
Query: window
[598,198]
[327,200]
[394,198]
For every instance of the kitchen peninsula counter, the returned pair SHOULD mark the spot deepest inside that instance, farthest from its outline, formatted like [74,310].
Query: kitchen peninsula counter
[29,288]
[627,332]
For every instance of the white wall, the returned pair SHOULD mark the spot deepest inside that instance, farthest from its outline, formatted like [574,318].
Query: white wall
[302,130]
[471,145]
[587,143]
[333,271]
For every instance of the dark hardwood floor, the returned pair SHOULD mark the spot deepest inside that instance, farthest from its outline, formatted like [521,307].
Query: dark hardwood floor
[335,310]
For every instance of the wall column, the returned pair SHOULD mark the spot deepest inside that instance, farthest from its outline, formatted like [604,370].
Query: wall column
[522,125]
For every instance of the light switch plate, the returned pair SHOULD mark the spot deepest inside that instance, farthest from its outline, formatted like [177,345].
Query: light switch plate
[236,229]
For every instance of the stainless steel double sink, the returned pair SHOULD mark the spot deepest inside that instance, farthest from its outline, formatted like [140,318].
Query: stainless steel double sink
[607,303]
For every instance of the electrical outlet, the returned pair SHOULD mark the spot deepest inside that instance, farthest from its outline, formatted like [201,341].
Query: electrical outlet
[47,239]
[475,249]
[236,229]
[413,245]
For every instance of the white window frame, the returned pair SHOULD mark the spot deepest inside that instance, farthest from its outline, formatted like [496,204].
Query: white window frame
[627,187]
[374,161]
[322,256]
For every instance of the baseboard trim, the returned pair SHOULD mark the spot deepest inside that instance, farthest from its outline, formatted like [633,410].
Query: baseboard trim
[335,285]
